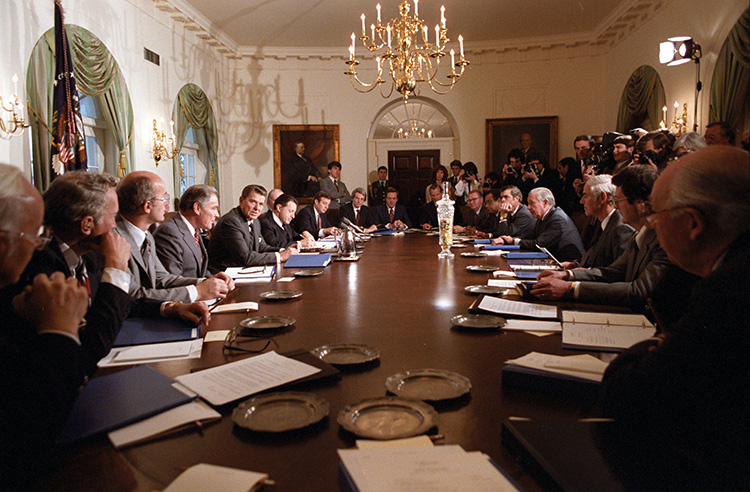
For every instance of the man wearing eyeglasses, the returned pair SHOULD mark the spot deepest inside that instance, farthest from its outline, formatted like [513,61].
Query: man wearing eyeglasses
[143,202]
[687,388]
[480,219]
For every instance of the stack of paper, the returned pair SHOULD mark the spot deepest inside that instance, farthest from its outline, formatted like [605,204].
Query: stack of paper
[582,366]
[515,308]
[202,477]
[604,331]
[250,275]
[437,469]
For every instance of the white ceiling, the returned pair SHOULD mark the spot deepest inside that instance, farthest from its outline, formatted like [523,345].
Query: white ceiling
[329,23]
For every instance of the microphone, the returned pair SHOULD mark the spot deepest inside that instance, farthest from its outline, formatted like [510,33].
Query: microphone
[349,223]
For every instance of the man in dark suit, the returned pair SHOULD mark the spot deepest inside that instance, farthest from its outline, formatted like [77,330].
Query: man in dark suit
[143,202]
[513,217]
[379,187]
[554,231]
[313,219]
[303,175]
[236,240]
[536,174]
[611,235]
[178,239]
[429,218]
[684,393]
[275,225]
[392,215]
[357,212]
[478,219]
[635,275]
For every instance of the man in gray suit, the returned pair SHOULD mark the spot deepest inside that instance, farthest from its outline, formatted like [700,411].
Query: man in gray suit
[236,240]
[335,187]
[178,241]
[143,202]
[632,278]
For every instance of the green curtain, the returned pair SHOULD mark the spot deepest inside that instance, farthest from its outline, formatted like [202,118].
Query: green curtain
[730,83]
[193,108]
[641,101]
[97,75]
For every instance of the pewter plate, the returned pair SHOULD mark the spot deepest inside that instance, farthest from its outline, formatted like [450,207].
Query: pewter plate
[428,385]
[459,245]
[388,418]
[280,412]
[473,254]
[307,273]
[344,354]
[347,258]
[484,289]
[482,268]
[267,322]
[478,321]
[280,295]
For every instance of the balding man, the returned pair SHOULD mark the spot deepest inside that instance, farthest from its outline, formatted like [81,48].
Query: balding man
[554,229]
[144,201]
[685,393]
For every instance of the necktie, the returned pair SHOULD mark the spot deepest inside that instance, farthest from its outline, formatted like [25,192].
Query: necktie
[390,214]
[83,278]
[197,238]
[336,184]
[356,217]
[145,253]
[320,222]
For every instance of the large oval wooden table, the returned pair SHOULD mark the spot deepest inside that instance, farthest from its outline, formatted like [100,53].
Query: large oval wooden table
[399,297]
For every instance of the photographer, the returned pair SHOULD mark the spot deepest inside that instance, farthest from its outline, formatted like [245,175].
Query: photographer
[536,174]
[469,181]
[655,149]
[512,168]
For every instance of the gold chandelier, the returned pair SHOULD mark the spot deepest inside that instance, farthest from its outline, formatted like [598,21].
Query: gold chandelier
[403,48]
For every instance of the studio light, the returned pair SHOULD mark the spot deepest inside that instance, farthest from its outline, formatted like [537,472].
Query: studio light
[679,50]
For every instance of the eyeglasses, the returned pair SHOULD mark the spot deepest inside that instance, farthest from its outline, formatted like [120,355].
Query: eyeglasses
[164,199]
[40,240]
[235,333]
[618,200]
[650,215]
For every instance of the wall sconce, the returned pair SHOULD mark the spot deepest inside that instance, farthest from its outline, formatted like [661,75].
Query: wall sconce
[16,123]
[679,50]
[160,150]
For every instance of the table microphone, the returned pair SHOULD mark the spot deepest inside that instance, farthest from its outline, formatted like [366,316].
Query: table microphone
[349,223]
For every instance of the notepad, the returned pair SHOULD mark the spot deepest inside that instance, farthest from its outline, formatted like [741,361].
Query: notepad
[202,477]
[608,332]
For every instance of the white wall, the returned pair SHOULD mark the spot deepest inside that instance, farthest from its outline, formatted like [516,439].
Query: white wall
[249,96]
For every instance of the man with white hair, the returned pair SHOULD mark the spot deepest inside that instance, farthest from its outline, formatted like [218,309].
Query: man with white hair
[684,394]
[554,229]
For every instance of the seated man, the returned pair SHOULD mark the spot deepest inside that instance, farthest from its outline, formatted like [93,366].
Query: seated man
[610,235]
[357,212]
[143,202]
[513,217]
[236,240]
[554,230]
[480,219]
[275,228]
[313,219]
[334,186]
[684,394]
[632,278]
[178,240]
[392,215]
[429,211]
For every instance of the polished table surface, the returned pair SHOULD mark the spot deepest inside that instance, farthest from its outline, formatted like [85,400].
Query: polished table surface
[400,298]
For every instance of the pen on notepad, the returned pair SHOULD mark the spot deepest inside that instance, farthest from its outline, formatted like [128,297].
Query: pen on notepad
[221,302]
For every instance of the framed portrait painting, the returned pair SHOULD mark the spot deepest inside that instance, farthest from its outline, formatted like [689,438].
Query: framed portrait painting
[505,134]
[301,154]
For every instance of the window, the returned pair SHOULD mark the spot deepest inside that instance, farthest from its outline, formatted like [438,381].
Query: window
[100,149]
[192,167]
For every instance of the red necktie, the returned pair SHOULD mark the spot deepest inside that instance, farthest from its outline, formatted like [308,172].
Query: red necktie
[336,184]
[320,222]
[391,216]
[197,238]
[356,217]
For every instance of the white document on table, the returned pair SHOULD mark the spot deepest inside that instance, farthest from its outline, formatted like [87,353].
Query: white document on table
[229,382]
[582,366]
[190,413]
[532,325]
[155,352]
[251,275]
[602,331]
[235,307]
[517,308]
[504,284]
[427,469]
[203,477]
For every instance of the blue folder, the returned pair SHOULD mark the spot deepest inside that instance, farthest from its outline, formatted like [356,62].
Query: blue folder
[482,241]
[504,247]
[527,275]
[308,261]
[116,400]
[525,255]
[142,331]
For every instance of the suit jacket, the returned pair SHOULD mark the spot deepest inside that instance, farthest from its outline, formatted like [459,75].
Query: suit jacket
[338,197]
[428,214]
[234,244]
[483,221]
[630,280]
[558,234]
[609,243]
[549,179]
[299,169]
[305,221]
[279,237]
[178,251]
[521,225]
[150,279]
[377,193]
[364,214]
[691,390]
[381,217]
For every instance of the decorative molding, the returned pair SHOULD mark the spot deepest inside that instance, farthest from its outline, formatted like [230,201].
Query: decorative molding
[622,21]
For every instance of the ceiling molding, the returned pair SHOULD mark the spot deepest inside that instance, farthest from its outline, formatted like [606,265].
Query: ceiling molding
[607,34]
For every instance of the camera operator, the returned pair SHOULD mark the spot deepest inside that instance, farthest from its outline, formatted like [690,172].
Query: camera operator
[536,174]
[469,181]
[655,149]
[512,168]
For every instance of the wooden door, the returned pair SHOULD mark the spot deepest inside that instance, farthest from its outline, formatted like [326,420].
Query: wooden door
[410,170]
